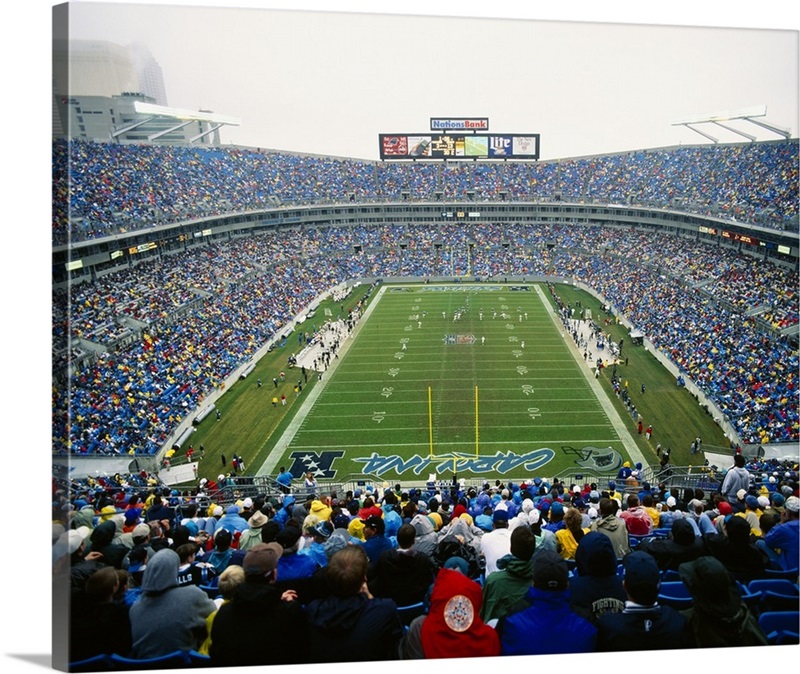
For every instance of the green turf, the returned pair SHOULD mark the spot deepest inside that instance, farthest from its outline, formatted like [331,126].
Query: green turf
[536,413]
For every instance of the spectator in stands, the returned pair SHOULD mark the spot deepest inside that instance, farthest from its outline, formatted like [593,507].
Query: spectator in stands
[612,526]
[733,548]
[99,624]
[212,521]
[191,571]
[681,545]
[568,538]
[718,617]
[375,541]
[315,547]
[251,536]
[643,624]
[369,509]
[232,521]
[496,543]
[636,519]
[513,577]
[159,511]
[293,566]
[284,480]
[546,624]
[544,538]
[350,620]
[555,518]
[102,542]
[257,609]
[403,574]
[784,537]
[220,556]
[167,617]
[736,478]
[596,587]
[453,626]
[321,508]
[229,580]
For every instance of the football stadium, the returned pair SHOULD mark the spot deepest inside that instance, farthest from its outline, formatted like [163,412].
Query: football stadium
[459,400]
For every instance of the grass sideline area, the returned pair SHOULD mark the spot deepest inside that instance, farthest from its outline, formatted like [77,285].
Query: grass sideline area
[472,377]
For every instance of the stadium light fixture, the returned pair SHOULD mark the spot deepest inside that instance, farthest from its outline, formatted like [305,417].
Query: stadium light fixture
[745,114]
[190,115]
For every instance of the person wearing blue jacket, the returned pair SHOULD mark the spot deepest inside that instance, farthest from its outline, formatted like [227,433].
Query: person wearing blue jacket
[546,624]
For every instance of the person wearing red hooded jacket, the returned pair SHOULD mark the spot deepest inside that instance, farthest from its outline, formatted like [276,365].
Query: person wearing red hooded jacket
[453,627]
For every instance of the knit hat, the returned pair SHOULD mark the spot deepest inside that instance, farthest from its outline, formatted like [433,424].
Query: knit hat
[792,504]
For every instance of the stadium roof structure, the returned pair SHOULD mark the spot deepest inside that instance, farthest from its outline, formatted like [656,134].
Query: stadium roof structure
[181,117]
[746,114]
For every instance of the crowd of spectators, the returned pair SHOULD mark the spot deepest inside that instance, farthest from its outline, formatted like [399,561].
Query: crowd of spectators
[388,573]
[146,344]
[101,189]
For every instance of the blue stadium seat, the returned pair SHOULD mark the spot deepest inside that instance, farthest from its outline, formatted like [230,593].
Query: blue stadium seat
[97,663]
[168,661]
[409,612]
[675,594]
[781,627]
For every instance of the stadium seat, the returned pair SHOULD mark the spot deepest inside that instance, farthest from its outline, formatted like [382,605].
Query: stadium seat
[788,574]
[670,576]
[168,661]
[409,612]
[212,590]
[197,659]
[776,594]
[675,594]
[781,627]
[97,663]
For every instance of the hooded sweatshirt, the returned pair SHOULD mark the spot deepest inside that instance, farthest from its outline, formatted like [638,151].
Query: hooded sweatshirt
[506,586]
[613,527]
[596,588]
[167,617]
[426,538]
[735,479]
[453,627]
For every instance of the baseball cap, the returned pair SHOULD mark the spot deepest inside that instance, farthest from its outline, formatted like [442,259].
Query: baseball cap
[500,515]
[262,559]
[375,522]
[550,571]
[641,569]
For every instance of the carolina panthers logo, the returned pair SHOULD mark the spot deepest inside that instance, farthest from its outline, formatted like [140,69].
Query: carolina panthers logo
[592,458]
[320,464]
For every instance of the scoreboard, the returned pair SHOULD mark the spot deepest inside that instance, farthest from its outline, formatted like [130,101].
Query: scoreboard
[458,146]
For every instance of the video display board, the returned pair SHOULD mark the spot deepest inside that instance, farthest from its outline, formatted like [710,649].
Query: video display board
[458,146]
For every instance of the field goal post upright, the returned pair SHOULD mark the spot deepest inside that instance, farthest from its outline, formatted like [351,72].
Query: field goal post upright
[476,422]
[430,426]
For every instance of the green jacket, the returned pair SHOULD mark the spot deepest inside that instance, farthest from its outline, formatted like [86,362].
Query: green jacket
[506,587]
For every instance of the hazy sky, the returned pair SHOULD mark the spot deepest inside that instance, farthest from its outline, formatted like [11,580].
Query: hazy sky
[330,81]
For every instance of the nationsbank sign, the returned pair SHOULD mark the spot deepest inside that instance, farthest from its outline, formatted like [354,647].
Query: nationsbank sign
[459,123]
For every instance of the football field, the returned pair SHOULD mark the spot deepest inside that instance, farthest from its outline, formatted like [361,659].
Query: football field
[474,379]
